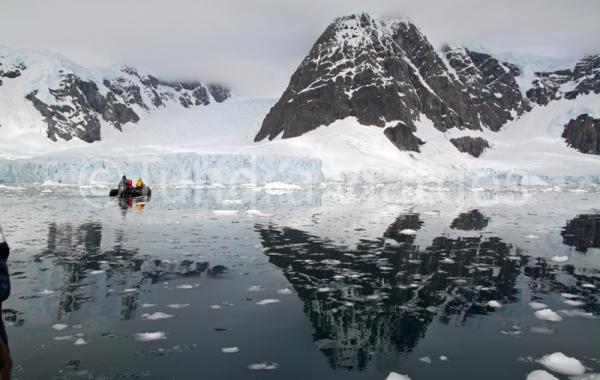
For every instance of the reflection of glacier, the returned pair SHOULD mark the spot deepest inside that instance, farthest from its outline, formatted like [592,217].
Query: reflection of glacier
[77,251]
[166,169]
[583,232]
[381,296]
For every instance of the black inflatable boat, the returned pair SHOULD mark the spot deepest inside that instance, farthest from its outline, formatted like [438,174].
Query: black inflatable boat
[133,193]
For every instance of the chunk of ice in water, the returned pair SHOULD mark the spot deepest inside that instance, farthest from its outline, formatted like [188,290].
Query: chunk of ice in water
[559,259]
[97,271]
[63,337]
[185,286]
[265,365]
[574,302]
[540,374]
[46,292]
[537,305]
[548,315]
[408,231]
[397,376]
[255,288]
[256,213]
[425,359]
[215,307]
[147,305]
[443,358]
[285,291]
[569,295]
[267,301]
[230,350]
[495,304]
[225,212]
[80,342]
[178,305]
[59,326]
[150,336]
[588,286]
[156,316]
[560,363]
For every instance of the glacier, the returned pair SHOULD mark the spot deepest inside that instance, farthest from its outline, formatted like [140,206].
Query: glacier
[165,170]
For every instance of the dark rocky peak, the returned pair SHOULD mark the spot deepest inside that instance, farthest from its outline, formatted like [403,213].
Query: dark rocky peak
[386,73]
[583,134]
[491,85]
[10,71]
[583,79]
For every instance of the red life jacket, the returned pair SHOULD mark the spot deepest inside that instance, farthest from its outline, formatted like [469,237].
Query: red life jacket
[130,184]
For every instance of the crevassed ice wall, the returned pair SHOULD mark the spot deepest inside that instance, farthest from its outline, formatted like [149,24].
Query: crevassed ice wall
[183,168]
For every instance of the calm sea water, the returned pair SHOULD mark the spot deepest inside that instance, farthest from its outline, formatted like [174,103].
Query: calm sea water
[321,284]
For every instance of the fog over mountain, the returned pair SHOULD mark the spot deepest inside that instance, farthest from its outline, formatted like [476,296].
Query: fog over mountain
[254,46]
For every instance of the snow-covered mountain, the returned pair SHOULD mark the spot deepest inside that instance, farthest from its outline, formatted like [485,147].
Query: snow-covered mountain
[45,93]
[385,73]
[373,101]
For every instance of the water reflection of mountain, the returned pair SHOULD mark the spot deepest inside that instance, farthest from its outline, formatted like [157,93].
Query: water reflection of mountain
[472,220]
[583,232]
[94,269]
[382,296]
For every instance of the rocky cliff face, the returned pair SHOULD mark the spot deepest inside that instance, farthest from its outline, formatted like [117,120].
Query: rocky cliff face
[386,73]
[75,102]
[583,79]
[583,134]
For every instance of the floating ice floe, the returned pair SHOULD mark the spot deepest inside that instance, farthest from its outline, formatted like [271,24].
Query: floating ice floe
[443,358]
[63,337]
[560,259]
[267,301]
[540,374]
[185,286]
[256,213]
[548,315]
[425,359]
[80,342]
[495,304]
[215,307]
[230,350]
[323,290]
[569,295]
[130,290]
[560,363]
[408,231]
[147,305]
[59,326]
[156,316]
[331,262]
[225,212]
[537,305]
[588,286]
[578,313]
[587,376]
[531,236]
[572,302]
[397,376]
[150,336]
[265,365]
[46,292]
[100,271]
[255,288]
[178,305]
[285,291]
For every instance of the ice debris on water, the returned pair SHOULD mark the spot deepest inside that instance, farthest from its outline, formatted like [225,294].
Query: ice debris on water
[538,305]
[264,365]
[256,213]
[59,326]
[80,342]
[178,305]
[560,363]
[559,259]
[156,316]
[185,286]
[396,376]
[255,288]
[408,231]
[225,212]
[267,301]
[285,291]
[425,359]
[46,292]
[147,305]
[540,374]
[548,315]
[230,350]
[495,304]
[150,336]
[215,307]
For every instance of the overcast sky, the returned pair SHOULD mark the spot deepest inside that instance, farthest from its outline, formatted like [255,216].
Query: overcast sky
[255,45]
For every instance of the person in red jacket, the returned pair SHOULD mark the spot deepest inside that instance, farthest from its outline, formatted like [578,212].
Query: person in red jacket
[5,359]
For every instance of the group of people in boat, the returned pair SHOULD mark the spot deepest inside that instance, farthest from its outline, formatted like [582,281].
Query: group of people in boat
[125,188]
